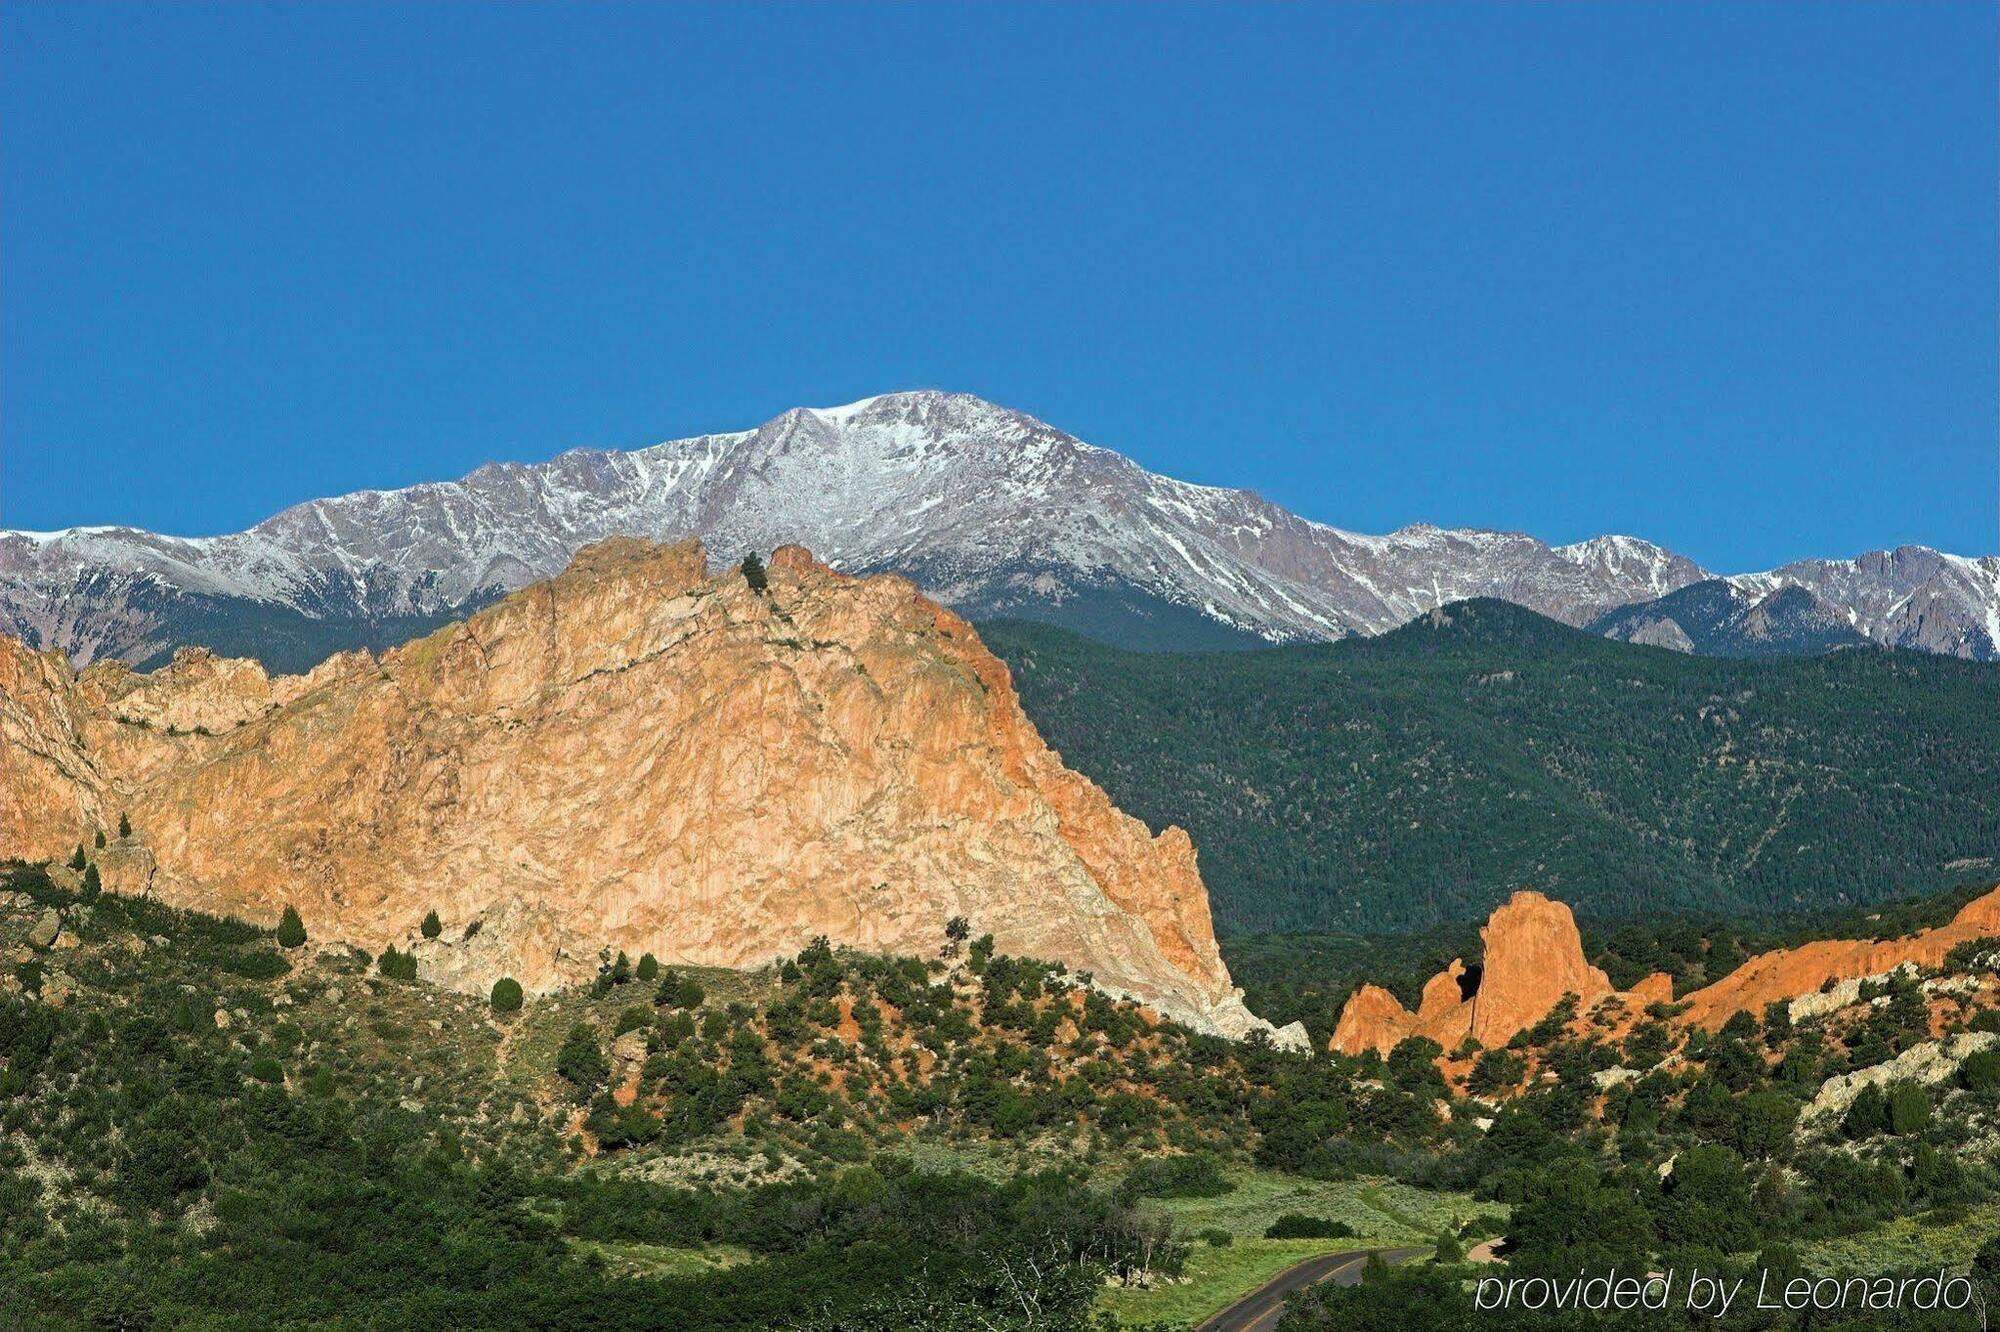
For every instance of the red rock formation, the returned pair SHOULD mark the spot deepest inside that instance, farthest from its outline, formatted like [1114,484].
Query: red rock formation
[1788,973]
[631,755]
[1533,957]
[1372,1019]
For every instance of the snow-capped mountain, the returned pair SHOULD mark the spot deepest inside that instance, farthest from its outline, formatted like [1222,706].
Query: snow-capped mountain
[989,509]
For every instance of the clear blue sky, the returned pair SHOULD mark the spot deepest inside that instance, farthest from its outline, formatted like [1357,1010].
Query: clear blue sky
[1722,275]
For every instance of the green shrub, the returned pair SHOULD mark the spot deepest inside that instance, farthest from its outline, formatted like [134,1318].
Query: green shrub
[1867,1114]
[678,991]
[1496,1070]
[124,826]
[93,883]
[649,969]
[1215,1238]
[291,930]
[1909,1109]
[1194,1176]
[581,1061]
[77,861]
[267,1069]
[753,573]
[1981,1071]
[259,965]
[506,995]
[432,926]
[100,839]
[633,1019]
[1296,1225]
[397,965]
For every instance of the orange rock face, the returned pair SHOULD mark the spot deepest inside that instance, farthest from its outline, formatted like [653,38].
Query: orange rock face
[1533,957]
[1372,1019]
[632,755]
[1789,973]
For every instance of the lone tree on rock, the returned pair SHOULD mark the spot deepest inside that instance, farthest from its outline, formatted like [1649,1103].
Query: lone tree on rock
[506,995]
[124,826]
[753,573]
[100,839]
[956,931]
[291,930]
[432,926]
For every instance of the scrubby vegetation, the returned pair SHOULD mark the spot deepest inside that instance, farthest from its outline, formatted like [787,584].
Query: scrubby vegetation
[199,1127]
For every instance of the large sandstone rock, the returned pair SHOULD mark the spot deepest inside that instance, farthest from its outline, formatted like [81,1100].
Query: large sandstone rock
[1372,1019]
[126,867]
[633,755]
[1533,956]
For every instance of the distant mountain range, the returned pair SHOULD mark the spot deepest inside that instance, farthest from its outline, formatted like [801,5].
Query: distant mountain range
[988,509]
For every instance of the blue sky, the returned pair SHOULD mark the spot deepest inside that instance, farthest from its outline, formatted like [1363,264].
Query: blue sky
[1719,275]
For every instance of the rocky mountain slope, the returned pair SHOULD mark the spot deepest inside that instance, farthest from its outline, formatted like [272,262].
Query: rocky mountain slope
[1716,618]
[990,510]
[634,755]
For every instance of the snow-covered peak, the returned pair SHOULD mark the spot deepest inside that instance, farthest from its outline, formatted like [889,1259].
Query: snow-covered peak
[990,508]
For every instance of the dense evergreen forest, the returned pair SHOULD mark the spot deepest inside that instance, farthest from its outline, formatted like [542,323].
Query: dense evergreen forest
[1415,779]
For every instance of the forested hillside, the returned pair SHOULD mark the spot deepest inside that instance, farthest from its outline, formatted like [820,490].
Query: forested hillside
[204,1124]
[1418,778]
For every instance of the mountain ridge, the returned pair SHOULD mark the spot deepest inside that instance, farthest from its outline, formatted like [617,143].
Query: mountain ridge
[990,510]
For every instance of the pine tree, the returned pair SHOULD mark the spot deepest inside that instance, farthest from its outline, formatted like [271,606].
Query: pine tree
[124,826]
[100,839]
[93,885]
[649,969]
[753,573]
[432,926]
[291,930]
[77,861]
[581,1061]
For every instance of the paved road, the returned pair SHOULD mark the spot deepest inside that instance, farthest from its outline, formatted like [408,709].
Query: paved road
[1260,1310]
